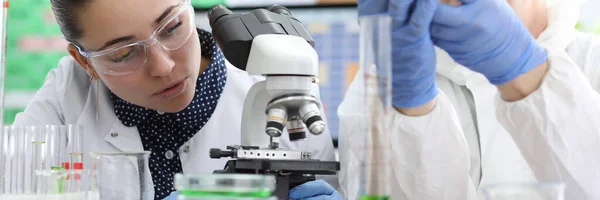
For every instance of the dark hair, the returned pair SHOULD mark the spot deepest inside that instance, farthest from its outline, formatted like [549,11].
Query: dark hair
[66,13]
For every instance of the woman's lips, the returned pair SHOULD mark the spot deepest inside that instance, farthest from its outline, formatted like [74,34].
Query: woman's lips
[173,91]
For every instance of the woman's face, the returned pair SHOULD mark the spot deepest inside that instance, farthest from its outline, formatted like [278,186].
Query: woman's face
[167,80]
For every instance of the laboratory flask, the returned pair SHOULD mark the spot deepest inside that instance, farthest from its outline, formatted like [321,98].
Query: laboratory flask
[225,187]
[374,104]
[525,191]
[122,175]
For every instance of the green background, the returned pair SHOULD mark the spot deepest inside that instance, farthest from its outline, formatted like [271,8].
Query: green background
[206,3]
[26,69]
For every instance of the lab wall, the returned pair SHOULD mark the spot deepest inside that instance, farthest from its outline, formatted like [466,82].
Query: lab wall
[35,46]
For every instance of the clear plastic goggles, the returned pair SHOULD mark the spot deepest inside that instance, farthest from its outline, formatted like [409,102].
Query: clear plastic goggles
[171,35]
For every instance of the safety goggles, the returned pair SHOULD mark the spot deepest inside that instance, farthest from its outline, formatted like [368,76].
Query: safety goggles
[171,35]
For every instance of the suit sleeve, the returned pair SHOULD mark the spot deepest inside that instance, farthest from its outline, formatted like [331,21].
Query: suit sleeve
[556,128]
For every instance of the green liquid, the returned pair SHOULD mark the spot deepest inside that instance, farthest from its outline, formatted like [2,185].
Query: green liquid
[373,197]
[265,193]
[59,188]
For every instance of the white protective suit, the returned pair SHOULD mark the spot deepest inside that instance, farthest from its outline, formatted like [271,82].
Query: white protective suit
[473,138]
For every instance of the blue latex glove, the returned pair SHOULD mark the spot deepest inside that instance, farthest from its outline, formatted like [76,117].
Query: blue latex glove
[487,37]
[315,190]
[413,53]
[172,196]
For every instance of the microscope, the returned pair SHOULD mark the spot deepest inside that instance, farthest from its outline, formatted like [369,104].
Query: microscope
[272,43]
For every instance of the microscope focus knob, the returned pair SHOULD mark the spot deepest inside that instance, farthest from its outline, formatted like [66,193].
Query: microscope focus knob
[218,153]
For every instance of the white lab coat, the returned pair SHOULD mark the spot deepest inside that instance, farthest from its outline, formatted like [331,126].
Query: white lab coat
[472,138]
[68,97]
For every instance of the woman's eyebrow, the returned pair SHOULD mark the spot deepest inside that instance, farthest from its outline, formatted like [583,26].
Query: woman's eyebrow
[164,15]
[130,37]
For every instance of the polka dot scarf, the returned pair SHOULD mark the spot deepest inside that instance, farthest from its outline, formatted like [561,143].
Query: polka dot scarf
[164,133]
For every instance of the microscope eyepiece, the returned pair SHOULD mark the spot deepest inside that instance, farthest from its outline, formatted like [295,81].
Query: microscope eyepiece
[216,12]
[279,10]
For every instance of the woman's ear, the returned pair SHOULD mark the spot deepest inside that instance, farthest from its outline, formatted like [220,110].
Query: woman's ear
[83,62]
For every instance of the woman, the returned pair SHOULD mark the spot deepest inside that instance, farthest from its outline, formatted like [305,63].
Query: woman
[142,77]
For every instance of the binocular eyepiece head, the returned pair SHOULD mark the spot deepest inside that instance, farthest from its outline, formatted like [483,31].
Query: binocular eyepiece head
[219,10]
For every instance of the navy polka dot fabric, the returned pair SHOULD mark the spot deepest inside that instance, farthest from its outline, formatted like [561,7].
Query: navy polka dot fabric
[165,133]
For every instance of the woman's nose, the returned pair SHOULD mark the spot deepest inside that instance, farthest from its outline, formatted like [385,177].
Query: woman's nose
[160,61]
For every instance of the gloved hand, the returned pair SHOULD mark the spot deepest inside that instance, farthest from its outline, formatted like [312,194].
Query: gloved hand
[172,196]
[487,37]
[413,53]
[315,190]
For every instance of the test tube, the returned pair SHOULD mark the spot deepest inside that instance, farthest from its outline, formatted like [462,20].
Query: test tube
[56,146]
[74,148]
[5,164]
[2,159]
[55,156]
[37,136]
[4,187]
[375,66]
[4,150]
[21,146]
[3,45]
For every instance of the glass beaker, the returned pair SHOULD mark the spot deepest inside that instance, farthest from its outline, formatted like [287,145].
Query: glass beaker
[525,191]
[224,186]
[375,71]
[122,175]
